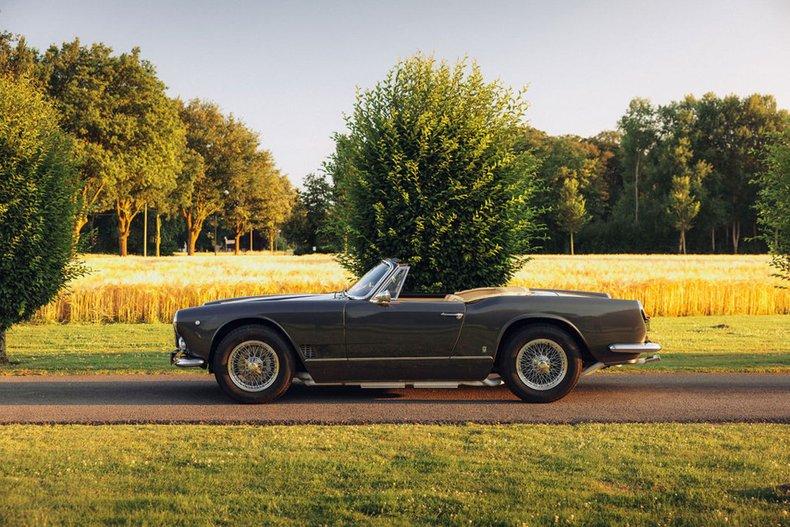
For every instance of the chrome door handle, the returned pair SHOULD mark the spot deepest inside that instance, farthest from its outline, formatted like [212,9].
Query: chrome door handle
[458,316]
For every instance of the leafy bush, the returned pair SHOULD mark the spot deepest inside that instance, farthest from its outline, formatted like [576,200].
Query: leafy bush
[37,205]
[429,172]
[773,204]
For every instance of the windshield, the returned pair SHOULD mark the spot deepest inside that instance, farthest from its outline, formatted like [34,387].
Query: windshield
[366,284]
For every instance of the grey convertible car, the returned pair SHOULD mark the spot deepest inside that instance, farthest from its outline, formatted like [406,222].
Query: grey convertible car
[537,341]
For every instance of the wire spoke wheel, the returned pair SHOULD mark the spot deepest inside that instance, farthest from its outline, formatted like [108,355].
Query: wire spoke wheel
[253,366]
[541,364]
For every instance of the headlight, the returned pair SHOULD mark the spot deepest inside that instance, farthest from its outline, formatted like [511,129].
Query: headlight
[182,345]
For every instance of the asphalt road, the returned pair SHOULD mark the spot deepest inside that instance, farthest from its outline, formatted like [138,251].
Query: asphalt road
[674,397]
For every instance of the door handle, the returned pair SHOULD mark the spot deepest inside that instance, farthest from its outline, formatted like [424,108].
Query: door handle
[458,316]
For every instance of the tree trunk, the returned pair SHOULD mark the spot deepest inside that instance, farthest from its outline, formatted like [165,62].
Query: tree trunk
[145,230]
[125,217]
[123,235]
[736,235]
[194,226]
[79,223]
[713,240]
[636,189]
[158,234]
[190,242]
[3,354]
[682,242]
[250,240]
[571,243]
[272,238]
[236,246]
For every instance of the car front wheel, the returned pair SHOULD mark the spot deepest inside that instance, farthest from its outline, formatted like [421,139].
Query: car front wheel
[541,363]
[253,364]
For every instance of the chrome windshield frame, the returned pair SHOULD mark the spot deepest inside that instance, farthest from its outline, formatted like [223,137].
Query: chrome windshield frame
[392,267]
[380,285]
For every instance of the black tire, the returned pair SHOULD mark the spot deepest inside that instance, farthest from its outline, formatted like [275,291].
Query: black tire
[273,388]
[535,334]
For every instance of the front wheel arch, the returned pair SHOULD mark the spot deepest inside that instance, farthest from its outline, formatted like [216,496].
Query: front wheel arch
[263,322]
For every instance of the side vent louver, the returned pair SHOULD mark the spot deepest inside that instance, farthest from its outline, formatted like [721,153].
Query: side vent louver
[308,352]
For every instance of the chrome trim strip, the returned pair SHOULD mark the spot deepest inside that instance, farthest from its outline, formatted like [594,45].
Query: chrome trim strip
[432,357]
[458,316]
[491,381]
[643,347]
[357,359]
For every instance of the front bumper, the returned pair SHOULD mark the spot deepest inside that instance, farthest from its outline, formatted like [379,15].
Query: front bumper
[642,347]
[183,360]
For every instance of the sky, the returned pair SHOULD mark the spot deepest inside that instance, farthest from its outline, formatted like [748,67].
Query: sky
[289,70]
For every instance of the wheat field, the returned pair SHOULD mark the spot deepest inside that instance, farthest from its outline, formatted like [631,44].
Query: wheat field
[136,289]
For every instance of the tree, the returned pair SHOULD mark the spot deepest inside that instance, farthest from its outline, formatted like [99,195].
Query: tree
[572,207]
[17,59]
[732,135]
[277,203]
[250,177]
[586,159]
[773,205]
[309,223]
[638,126]
[308,227]
[429,171]
[683,207]
[234,176]
[181,197]
[37,208]
[151,155]
[204,185]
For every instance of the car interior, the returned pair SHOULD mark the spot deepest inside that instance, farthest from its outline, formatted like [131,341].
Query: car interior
[400,281]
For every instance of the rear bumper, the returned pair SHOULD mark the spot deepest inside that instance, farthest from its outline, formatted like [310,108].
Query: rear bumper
[627,349]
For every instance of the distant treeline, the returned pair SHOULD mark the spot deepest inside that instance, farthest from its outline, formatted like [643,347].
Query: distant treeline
[684,176]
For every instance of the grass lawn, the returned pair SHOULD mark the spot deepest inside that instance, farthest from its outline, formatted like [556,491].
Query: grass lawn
[715,343]
[395,475]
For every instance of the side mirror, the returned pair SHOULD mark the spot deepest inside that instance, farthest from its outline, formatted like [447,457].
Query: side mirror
[383,298]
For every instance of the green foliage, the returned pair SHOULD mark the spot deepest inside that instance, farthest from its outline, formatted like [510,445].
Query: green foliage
[128,138]
[683,207]
[17,59]
[572,208]
[720,143]
[587,160]
[309,224]
[258,196]
[774,202]
[203,185]
[429,172]
[37,204]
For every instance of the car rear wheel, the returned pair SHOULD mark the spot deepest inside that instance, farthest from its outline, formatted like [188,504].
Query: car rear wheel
[253,364]
[541,363]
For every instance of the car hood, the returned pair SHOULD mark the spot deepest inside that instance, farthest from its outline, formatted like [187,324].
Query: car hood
[273,298]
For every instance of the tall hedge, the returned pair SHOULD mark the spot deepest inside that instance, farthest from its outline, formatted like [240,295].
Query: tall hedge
[429,172]
[37,205]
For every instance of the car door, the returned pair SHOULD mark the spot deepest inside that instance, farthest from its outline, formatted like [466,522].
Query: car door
[404,339]
[422,328]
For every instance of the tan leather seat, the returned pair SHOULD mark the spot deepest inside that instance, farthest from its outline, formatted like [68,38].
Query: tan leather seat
[470,295]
